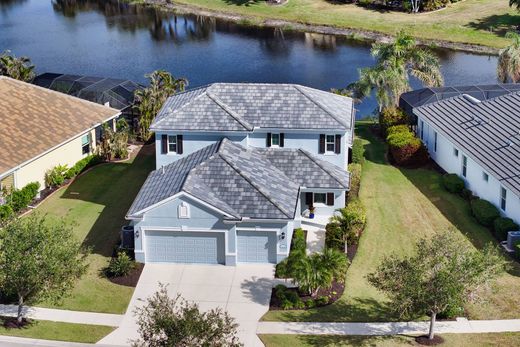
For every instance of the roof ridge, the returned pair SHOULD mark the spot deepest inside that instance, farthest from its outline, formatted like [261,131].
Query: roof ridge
[157,121]
[250,181]
[317,103]
[314,160]
[228,109]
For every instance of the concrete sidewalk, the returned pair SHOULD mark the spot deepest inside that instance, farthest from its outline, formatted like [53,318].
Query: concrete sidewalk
[460,326]
[112,320]
[27,342]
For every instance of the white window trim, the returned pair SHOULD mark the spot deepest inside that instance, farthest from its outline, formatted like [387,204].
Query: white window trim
[272,144]
[168,142]
[327,143]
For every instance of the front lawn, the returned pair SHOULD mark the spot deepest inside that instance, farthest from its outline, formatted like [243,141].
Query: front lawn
[96,204]
[450,340]
[403,206]
[47,330]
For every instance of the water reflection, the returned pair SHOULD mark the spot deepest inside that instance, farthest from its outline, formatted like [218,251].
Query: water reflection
[7,4]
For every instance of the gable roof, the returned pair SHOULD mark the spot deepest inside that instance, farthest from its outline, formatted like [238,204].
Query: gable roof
[486,131]
[35,120]
[243,183]
[244,106]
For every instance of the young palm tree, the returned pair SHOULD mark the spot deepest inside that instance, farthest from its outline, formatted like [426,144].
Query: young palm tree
[150,100]
[17,68]
[396,62]
[508,67]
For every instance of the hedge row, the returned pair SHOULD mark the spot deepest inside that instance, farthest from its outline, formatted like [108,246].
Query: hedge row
[391,116]
[358,151]
[19,199]
[405,148]
[58,174]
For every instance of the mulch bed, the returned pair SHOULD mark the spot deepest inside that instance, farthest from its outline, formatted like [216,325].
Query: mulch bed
[424,340]
[351,252]
[131,279]
[334,293]
[12,323]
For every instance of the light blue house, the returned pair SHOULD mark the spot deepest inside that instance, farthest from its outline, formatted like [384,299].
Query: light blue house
[238,166]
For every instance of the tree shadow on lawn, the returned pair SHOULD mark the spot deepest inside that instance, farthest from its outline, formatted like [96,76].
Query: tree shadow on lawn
[498,24]
[114,186]
[454,208]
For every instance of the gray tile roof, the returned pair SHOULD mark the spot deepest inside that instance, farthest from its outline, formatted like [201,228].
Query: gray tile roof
[242,106]
[252,183]
[487,131]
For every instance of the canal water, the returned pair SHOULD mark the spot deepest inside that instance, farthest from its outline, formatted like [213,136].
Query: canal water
[113,39]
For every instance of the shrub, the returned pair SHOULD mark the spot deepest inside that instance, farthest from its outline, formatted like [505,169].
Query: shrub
[358,151]
[397,129]
[405,148]
[83,164]
[6,211]
[391,116]
[467,194]
[355,180]
[310,303]
[298,242]
[286,305]
[502,226]
[451,312]
[484,211]
[322,300]
[299,304]
[346,225]
[56,176]
[121,265]
[517,250]
[281,269]
[21,198]
[453,183]
[279,291]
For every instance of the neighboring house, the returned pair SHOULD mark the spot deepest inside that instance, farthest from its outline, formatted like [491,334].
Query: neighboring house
[237,167]
[41,128]
[478,139]
[111,92]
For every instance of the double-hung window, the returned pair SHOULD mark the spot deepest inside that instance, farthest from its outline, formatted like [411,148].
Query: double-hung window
[330,144]
[464,166]
[172,144]
[503,198]
[85,144]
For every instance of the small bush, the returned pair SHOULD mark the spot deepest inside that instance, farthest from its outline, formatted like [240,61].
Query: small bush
[310,303]
[467,194]
[279,291]
[391,116]
[397,129]
[502,226]
[451,312]
[21,198]
[121,265]
[286,305]
[281,269]
[292,296]
[322,300]
[484,211]
[299,304]
[355,180]
[405,148]
[299,243]
[453,183]
[358,151]
[56,176]
[6,211]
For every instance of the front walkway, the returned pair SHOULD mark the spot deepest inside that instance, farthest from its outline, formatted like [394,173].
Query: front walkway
[460,326]
[315,233]
[243,291]
[112,320]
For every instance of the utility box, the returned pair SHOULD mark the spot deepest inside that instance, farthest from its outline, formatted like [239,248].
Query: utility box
[513,237]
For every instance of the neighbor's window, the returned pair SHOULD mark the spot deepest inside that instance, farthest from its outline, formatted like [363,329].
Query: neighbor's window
[485,176]
[275,140]
[503,198]
[435,142]
[172,144]
[455,152]
[422,130]
[464,165]
[320,198]
[85,144]
[330,143]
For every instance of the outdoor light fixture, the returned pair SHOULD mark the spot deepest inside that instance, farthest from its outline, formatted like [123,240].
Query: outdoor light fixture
[137,233]
[282,236]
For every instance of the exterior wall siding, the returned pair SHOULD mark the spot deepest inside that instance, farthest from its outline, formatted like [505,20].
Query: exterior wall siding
[67,154]
[446,158]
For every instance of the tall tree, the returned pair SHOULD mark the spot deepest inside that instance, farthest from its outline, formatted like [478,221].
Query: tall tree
[150,100]
[444,272]
[39,259]
[164,321]
[396,62]
[508,67]
[17,68]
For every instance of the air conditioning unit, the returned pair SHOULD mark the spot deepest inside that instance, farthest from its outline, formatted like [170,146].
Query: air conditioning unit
[513,237]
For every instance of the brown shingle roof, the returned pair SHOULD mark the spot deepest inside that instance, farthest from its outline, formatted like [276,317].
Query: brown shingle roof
[33,120]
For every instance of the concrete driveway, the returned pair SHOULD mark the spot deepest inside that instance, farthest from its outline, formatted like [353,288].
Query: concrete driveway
[243,291]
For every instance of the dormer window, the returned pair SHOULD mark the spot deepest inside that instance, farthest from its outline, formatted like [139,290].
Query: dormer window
[275,140]
[171,144]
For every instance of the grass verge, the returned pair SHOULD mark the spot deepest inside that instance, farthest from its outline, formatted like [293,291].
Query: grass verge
[402,206]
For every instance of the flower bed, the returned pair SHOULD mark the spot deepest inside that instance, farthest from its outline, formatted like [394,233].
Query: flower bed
[325,296]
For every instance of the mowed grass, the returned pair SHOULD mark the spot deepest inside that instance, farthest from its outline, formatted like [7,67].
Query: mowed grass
[96,204]
[402,207]
[450,340]
[48,330]
[482,22]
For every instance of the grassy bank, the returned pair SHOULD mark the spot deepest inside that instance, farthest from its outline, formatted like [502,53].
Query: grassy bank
[450,340]
[478,22]
[402,206]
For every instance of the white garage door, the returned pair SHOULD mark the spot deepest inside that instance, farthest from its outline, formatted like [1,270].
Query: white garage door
[177,247]
[256,247]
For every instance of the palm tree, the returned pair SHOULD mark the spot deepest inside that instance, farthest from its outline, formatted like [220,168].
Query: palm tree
[396,62]
[514,3]
[17,68]
[508,67]
[347,223]
[150,100]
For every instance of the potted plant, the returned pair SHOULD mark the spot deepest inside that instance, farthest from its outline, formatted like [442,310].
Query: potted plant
[311,212]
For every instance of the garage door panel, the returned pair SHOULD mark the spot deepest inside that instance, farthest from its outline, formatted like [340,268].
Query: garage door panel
[256,247]
[177,247]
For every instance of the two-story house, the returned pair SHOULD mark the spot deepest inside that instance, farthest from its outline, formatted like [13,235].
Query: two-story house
[238,165]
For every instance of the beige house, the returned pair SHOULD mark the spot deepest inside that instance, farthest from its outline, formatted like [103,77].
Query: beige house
[41,128]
